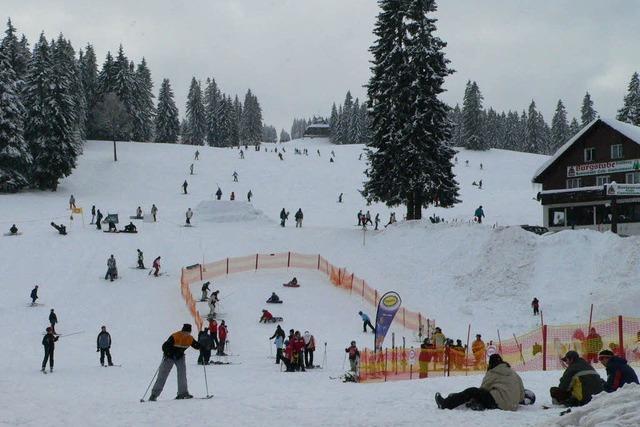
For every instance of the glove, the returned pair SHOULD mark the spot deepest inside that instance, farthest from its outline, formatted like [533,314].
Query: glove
[97,350]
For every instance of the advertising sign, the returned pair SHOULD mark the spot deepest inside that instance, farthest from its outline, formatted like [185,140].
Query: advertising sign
[603,167]
[388,306]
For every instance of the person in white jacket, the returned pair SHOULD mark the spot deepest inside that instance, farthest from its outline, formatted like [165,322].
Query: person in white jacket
[501,388]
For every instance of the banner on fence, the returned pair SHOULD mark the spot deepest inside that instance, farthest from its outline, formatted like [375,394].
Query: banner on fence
[388,306]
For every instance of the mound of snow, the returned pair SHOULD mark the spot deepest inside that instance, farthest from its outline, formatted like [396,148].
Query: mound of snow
[228,211]
[617,409]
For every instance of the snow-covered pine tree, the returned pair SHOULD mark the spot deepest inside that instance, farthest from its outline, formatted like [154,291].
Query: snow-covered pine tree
[142,129]
[365,131]
[355,127]
[167,122]
[15,158]
[269,134]
[535,130]
[455,116]
[472,125]
[341,127]
[559,128]
[574,127]
[251,123]
[587,112]
[107,77]
[237,121]
[89,77]
[212,98]
[67,62]
[333,122]
[491,128]
[284,136]
[630,111]
[16,51]
[196,117]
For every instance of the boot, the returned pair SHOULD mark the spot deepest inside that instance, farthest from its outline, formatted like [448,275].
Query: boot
[439,400]
[184,396]
[153,398]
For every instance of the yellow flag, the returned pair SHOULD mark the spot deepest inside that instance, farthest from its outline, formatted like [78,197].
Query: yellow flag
[77,210]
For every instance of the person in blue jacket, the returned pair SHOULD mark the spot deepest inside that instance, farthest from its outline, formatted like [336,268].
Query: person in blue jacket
[479,214]
[619,372]
[366,322]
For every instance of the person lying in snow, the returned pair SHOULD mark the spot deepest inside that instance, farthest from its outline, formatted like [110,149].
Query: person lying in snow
[266,316]
[501,388]
[292,284]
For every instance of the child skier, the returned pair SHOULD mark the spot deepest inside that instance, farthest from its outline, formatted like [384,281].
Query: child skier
[354,356]
[140,260]
[156,267]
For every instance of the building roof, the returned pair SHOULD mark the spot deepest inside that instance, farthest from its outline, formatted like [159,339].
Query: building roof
[318,125]
[630,131]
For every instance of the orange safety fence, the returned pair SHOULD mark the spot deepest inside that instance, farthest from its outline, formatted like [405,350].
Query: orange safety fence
[540,349]
[340,277]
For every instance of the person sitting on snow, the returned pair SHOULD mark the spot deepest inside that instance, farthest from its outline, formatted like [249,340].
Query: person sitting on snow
[274,298]
[61,228]
[13,229]
[293,283]
[130,228]
[266,317]
[501,388]
[578,382]
[619,372]
[112,227]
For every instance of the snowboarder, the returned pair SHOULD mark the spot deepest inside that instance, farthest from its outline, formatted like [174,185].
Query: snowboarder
[578,382]
[354,356]
[232,197]
[154,212]
[53,320]
[222,338]
[235,176]
[13,230]
[205,289]
[535,304]
[184,186]
[61,228]
[309,348]
[298,217]
[619,372]
[48,342]
[479,214]
[173,349]
[72,202]
[112,270]
[103,345]
[377,221]
[196,155]
[129,228]
[249,196]
[205,347]
[191,169]
[99,217]
[139,214]
[501,388]
[218,193]
[293,283]
[156,267]
[274,299]
[93,214]
[34,295]
[340,198]
[140,260]
[189,215]
[366,322]
[283,217]
[112,226]
[479,352]
[266,317]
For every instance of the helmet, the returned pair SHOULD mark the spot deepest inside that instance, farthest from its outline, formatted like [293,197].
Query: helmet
[529,397]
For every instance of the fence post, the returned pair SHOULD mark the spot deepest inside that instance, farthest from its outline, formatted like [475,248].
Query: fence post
[544,347]
[404,323]
[318,261]
[386,350]
[200,272]
[289,260]
[227,266]
[256,261]
[620,337]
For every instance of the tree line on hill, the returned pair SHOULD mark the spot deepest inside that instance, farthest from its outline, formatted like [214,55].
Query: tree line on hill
[52,99]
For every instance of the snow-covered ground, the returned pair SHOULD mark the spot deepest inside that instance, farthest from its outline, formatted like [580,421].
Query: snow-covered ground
[457,273]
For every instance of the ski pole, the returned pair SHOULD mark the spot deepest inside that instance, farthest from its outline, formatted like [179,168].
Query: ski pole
[206,383]
[344,361]
[151,382]
[270,350]
[324,358]
[72,333]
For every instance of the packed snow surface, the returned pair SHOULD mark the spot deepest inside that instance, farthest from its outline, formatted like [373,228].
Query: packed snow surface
[459,273]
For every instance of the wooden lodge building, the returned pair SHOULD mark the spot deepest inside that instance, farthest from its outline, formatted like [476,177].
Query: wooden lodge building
[317,130]
[593,181]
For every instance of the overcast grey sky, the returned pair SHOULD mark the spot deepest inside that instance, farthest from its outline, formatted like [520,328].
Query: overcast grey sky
[299,56]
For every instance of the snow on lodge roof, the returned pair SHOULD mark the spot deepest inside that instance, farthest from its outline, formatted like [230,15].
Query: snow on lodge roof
[318,125]
[630,131]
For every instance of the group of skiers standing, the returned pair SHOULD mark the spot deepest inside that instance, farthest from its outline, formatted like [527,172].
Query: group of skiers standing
[284,215]
[295,351]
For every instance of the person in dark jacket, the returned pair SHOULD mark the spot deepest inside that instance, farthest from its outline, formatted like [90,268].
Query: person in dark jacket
[479,214]
[184,186]
[298,217]
[578,382]
[103,345]
[205,289]
[218,193]
[53,319]
[283,217]
[619,372]
[13,230]
[279,335]
[205,347]
[354,356]
[535,304]
[99,217]
[173,350]
[34,295]
[140,260]
[48,341]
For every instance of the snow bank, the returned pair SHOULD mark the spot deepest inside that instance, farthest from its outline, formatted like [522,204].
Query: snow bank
[228,211]
[619,409]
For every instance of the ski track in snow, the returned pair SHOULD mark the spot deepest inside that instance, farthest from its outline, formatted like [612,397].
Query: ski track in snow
[457,273]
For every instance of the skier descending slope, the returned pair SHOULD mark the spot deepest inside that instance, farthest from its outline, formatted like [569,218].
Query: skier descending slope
[173,350]
[34,295]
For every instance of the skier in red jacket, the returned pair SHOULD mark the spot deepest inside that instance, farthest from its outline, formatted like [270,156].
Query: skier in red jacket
[222,336]
[266,317]
[298,348]
[156,267]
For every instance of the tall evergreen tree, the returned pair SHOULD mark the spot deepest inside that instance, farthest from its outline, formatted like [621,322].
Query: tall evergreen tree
[559,128]
[196,117]
[574,127]
[237,122]
[535,130]
[284,136]
[630,111]
[167,122]
[212,99]
[16,52]
[587,112]
[107,76]
[333,122]
[142,129]
[66,61]
[472,125]
[455,115]
[15,158]
[354,134]
[409,155]
[251,123]
[89,77]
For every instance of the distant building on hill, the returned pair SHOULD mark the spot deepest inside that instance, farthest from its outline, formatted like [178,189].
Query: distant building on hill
[317,130]
[593,180]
